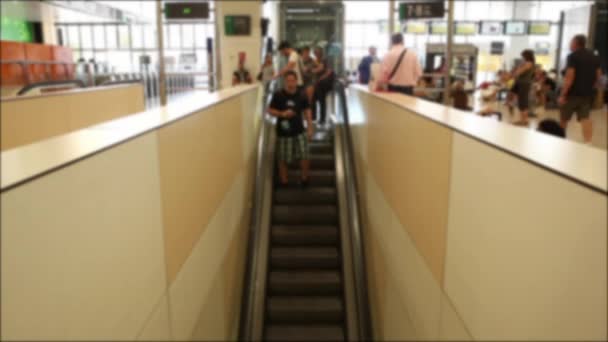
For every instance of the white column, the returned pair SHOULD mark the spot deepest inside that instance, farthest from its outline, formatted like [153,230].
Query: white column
[230,46]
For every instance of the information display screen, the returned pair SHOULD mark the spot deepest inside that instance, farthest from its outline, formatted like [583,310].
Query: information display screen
[515,28]
[492,28]
[416,27]
[237,25]
[466,28]
[421,9]
[539,27]
[439,27]
[186,10]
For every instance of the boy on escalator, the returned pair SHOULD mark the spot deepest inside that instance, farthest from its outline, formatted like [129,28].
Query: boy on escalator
[291,107]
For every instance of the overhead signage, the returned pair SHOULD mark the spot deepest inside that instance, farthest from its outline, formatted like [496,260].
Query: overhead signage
[439,27]
[515,28]
[465,28]
[497,48]
[493,28]
[237,25]
[421,9]
[416,27]
[186,10]
[539,27]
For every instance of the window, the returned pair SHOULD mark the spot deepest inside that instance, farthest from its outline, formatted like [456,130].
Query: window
[187,36]
[99,37]
[124,38]
[137,36]
[111,36]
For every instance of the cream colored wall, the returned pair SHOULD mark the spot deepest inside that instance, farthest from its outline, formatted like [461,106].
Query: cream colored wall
[31,119]
[517,257]
[85,252]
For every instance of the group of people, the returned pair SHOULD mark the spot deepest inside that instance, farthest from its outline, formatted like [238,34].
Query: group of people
[527,84]
[530,83]
[307,79]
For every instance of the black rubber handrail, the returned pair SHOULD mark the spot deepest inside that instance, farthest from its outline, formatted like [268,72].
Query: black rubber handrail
[77,83]
[365,332]
[112,83]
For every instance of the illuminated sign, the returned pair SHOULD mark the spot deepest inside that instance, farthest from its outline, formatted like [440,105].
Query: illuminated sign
[439,27]
[416,27]
[466,28]
[492,28]
[237,25]
[539,27]
[421,9]
[187,10]
[515,28]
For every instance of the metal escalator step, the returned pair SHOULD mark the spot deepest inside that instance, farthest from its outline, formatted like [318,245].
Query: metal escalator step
[305,309]
[317,178]
[305,214]
[309,195]
[318,162]
[322,136]
[321,147]
[297,283]
[304,332]
[283,258]
[296,235]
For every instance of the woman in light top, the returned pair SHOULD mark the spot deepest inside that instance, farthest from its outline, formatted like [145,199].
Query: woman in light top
[523,75]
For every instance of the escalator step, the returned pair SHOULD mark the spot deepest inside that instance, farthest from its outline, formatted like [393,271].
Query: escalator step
[301,333]
[296,235]
[304,214]
[297,283]
[305,309]
[310,195]
[322,136]
[318,162]
[321,147]
[317,178]
[304,258]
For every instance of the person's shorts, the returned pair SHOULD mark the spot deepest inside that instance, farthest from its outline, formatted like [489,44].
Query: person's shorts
[293,148]
[581,105]
[523,95]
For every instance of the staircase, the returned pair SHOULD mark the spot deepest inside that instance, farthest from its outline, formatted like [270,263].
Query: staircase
[304,296]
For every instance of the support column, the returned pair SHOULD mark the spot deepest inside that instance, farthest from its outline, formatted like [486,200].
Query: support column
[448,52]
[162,77]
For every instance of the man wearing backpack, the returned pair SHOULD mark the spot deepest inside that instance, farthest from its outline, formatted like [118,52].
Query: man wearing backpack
[400,68]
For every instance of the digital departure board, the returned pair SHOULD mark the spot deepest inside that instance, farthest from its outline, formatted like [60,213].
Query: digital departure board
[186,10]
[416,27]
[539,27]
[419,9]
[237,25]
[439,27]
[493,28]
[465,28]
[515,28]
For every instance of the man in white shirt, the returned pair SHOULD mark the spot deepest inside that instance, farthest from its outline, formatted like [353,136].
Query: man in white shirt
[400,68]
[293,61]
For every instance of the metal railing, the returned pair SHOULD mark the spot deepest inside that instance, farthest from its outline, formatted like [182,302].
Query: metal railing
[254,289]
[360,306]
[50,84]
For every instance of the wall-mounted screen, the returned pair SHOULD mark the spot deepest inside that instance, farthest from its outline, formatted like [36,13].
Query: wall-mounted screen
[466,28]
[237,25]
[186,10]
[515,28]
[542,48]
[492,28]
[439,27]
[416,27]
[539,27]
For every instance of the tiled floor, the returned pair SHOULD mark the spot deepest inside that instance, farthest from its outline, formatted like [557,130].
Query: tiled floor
[599,118]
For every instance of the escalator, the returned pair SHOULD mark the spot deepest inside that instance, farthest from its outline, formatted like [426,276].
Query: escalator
[305,278]
[304,299]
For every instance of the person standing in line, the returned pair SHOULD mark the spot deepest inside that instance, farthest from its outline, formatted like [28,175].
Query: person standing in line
[266,73]
[366,65]
[582,74]
[524,74]
[400,67]
[290,106]
[293,63]
[241,74]
[324,84]
[308,76]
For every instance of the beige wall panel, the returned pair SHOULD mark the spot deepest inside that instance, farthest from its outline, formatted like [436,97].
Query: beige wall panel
[32,119]
[251,109]
[358,120]
[376,278]
[408,271]
[82,251]
[413,172]
[451,326]
[203,268]
[526,260]
[158,327]
[211,322]
[199,157]
[397,326]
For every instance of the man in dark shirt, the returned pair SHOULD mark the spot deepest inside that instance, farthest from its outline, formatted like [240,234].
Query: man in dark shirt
[241,75]
[582,75]
[290,106]
[366,65]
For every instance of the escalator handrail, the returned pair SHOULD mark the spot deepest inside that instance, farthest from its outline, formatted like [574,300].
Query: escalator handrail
[251,290]
[354,215]
[77,83]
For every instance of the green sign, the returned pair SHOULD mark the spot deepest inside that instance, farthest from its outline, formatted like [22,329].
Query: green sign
[237,25]
[16,30]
